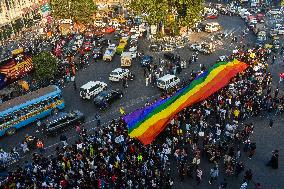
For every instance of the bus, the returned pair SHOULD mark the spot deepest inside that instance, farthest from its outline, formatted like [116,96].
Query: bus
[29,108]
[15,67]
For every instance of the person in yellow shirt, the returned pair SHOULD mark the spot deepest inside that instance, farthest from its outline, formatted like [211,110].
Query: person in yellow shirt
[140,158]
[236,113]
[122,111]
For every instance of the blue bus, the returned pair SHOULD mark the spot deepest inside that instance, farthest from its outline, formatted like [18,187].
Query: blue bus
[23,110]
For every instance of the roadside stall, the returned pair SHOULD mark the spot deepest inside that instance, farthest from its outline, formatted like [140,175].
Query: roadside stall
[126,59]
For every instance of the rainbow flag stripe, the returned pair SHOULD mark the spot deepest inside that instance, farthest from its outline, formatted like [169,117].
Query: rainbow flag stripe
[146,123]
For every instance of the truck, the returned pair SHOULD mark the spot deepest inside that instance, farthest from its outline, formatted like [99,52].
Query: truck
[109,54]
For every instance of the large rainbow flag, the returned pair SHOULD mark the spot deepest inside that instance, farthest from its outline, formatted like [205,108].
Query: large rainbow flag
[146,123]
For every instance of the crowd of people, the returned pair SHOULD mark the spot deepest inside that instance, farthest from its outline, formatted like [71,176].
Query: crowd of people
[208,131]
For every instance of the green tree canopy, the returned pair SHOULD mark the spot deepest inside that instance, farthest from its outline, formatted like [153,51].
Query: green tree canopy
[170,12]
[80,11]
[46,66]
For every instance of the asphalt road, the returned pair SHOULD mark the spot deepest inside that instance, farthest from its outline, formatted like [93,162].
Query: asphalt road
[137,94]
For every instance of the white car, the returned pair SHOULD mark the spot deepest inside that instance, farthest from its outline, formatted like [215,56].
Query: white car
[125,37]
[245,15]
[99,23]
[134,36]
[118,74]
[91,89]
[113,46]
[168,48]
[133,48]
[274,12]
[74,47]
[280,30]
[133,54]
[134,30]
[78,43]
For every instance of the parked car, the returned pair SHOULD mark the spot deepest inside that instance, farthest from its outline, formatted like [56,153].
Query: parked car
[79,41]
[97,53]
[109,54]
[121,46]
[62,120]
[154,47]
[205,48]
[105,98]
[134,53]
[274,12]
[261,38]
[118,74]
[280,30]
[276,42]
[146,60]
[212,16]
[168,48]
[102,42]
[99,23]
[212,27]
[91,89]
[133,47]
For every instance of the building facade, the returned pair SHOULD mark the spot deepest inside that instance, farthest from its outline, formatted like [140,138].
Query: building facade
[11,10]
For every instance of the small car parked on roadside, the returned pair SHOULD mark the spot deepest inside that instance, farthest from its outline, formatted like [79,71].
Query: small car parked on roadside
[62,120]
[105,98]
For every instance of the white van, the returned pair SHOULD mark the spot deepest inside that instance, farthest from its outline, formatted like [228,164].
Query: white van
[212,27]
[91,89]
[118,74]
[167,81]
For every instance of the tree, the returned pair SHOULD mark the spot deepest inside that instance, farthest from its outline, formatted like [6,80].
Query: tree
[80,11]
[153,11]
[172,13]
[190,11]
[46,66]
